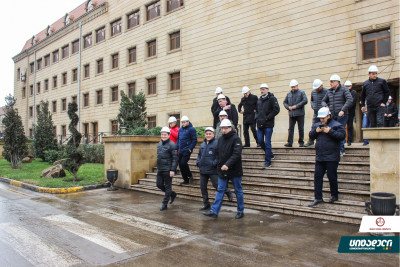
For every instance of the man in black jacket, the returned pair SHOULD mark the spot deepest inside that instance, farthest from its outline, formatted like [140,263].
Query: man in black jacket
[295,101]
[167,160]
[249,103]
[266,110]
[351,112]
[231,110]
[390,113]
[376,92]
[329,133]
[215,109]
[229,167]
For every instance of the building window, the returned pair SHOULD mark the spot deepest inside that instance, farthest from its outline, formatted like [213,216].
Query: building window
[87,40]
[31,111]
[23,92]
[32,67]
[100,34]
[175,40]
[64,104]
[47,60]
[114,59]
[114,127]
[56,56]
[114,94]
[151,122]
[46,84]
[153,10]
[37,109]
[73,98]
[18,74]
[86,70]
[54,81]
[151,48]
[133,19]
[64,130]
[55,130]
[74,75]
[178,118]
[99,66]
[64,78]
[174,4]
[38,87]
[175,81]
[31,90]
[86,100]
[131,89]
[132,55]
[39,64]
[75,47]
[152,86]
[116,27]
[376,44]
[64,51]
[54,105]
[99,97]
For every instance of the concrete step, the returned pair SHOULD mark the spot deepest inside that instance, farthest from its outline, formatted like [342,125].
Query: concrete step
[307,157]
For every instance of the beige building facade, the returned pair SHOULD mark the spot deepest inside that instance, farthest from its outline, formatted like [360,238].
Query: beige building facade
[178,51]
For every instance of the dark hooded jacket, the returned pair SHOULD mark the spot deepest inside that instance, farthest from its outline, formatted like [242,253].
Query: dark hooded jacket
[249,105]
[187,138]
[167,156]
[266,110]
[229,153]
[207,157]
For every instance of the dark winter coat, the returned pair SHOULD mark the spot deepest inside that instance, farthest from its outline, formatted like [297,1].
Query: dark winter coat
[187,138]
[337,100]
[376,92]
[232,114]
[249,105]
[296,98]
[215,109]
[267,108]
[391,109]
[352,108]
[167,156]
[327,147]
[229,153]
[316,99]
[207,157]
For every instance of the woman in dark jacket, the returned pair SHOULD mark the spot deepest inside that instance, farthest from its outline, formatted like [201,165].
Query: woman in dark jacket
[390,113]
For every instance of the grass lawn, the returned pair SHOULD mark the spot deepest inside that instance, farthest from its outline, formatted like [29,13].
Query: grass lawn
[90,173]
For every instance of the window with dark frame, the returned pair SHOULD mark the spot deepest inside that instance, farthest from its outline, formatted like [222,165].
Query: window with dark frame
[47,60]
[87,40]
[151,122]
[64,104]
[178,118]
[31,90]
[114,61]
[23,92]
[114,94]
[32,67]
[175,81]
[37,109]
[56,56]
[86,99]
[86,71]
[74,75]
[31,111]
[64,130]
[114,127]
[18,74]
[152,86]
[133,19]
[38,87]
[64,51]
[116,27]
[54,81]
[39,64]
[151,48]
[99,97]
[175,40]
[174,4]
[73,98]
[54,104]
[75,46]
[132,55]
[30,133]
[376,44]
[100,34]
[64,78]
[99,66]
[46,84]
[153,10]
[131,89]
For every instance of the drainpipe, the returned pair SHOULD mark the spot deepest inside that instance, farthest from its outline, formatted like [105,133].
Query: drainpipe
[34,93]
[79,75]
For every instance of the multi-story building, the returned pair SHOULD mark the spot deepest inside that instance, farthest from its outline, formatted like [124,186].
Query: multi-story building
[178,51]
[2,113]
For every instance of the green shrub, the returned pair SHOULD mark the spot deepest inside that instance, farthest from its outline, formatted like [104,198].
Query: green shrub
[200,131]
[140,131]
[155,131]
[92,153]
[51,155]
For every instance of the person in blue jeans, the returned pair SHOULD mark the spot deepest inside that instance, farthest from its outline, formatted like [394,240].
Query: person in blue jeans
[229,167]
[365,124]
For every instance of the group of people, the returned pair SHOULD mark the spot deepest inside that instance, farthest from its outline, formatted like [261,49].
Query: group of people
[219,157]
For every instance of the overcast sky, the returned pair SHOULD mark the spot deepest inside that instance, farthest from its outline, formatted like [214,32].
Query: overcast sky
[21,20]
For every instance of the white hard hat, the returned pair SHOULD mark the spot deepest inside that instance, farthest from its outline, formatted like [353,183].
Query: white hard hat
[323,112]
[220,96]
[245,89]
[209,129]
[348,83]
[171,119]
[218,90]
[225,123]
[185,118]
[264,85]
[373,68]
[335,77]
[293,83]
[165,130]
[223,113]
[390,97]
[317,83]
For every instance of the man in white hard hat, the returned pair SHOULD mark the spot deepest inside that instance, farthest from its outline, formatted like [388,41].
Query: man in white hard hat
[187,140]
[390,113]
[167,160]
[317,94]
[328,133]
[229,167]
[249,103]
[376,92]
[206,161]
[294,102]
[338,99]
[215,108]
[222,115]
[352,112]
[173,127]
[229,109]
[266,110]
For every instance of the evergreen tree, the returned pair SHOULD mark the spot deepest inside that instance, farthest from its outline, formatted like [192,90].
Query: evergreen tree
[44,135]
[15,148]
[75,158]
[132,112]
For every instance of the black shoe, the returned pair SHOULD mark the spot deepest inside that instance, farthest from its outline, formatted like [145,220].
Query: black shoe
[239,215]
[229,195]
[210,214]
[348,143]
[163,207]
[267,165]
[205,207]
[246,146]
[288,145]
[191,180]
[333,199]
[184,183]
[258,145]
[301,145]
[273,157]
[316,202]
[173,196]
[365,144]
[309,144]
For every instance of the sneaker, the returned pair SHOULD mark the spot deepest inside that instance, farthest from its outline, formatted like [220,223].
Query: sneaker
[273,157]
[288,145]
[301,145]
[333,199]
[258,145]
[205,207]
[239,215]
[348,143]
[184,183]
[267,165]
[191,180]
[365,144]
[163,207]
[210,214]
[173,196]
[309,144]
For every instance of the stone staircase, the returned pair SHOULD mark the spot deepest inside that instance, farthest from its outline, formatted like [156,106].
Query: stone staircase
[288,186]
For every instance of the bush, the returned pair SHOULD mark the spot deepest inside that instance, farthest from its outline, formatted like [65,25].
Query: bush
[155,131]
[92,153]
[52,155]
[200,131]
[140,131]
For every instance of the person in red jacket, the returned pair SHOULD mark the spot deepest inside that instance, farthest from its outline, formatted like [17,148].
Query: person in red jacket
[173,128]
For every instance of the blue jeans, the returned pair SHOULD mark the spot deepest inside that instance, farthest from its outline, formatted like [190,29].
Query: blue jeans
[343,121]
[265,144]
[222,184]
[365,124]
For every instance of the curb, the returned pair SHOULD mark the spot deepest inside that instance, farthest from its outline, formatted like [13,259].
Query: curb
[52,190]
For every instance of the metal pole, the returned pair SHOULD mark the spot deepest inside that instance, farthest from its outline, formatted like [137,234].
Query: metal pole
[34,93]
[79,75]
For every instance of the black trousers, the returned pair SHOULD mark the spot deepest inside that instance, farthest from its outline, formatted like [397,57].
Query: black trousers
[246,132]
[390,123]
[164,183]
[184,158]
[350,128]
[376,116]
[330,167]
[300,125]
[203,186]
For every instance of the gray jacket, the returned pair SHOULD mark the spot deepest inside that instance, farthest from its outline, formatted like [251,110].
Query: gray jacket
[297,98]
[338,100]
[316,99]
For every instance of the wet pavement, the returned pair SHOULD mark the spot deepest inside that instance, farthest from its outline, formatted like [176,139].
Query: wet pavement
[126,228]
